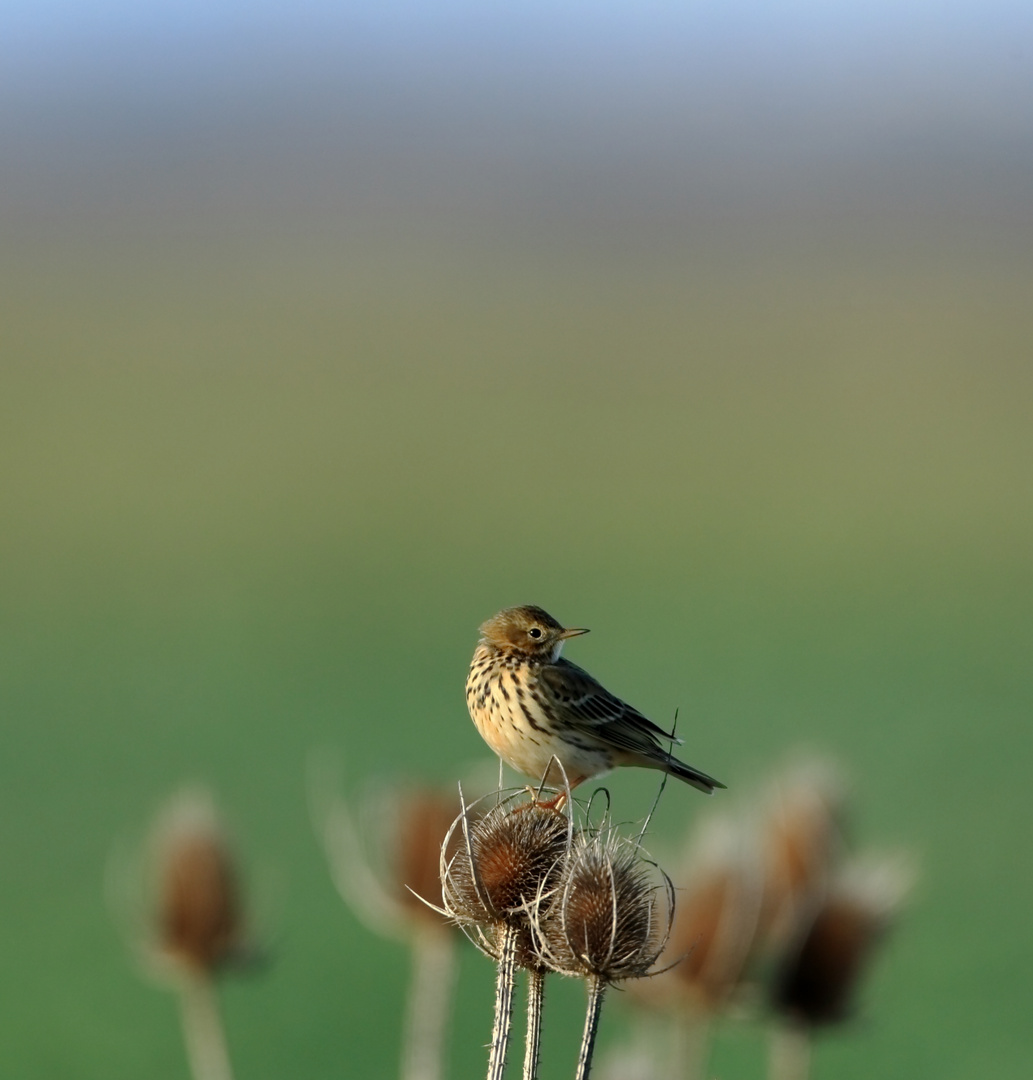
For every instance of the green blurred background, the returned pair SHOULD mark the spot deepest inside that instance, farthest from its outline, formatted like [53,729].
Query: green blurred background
[326,336]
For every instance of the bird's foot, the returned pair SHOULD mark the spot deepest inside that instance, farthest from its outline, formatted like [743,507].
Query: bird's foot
[556,804]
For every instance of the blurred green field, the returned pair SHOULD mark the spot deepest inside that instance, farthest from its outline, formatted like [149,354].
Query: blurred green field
[259,489]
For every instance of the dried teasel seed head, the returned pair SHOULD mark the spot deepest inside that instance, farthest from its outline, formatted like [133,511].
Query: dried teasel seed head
[609,917]
[714,929]
[384,852]
[199,913]
[817,980]
[801,839]
[507,861]
[424,819]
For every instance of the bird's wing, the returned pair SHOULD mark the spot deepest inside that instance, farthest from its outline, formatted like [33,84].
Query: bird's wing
[577,695]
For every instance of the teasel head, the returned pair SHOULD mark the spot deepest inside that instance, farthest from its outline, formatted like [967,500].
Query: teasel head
[816,982]
[609,916]
[607,921]
[801,837]
[384,859]
[384,855]
[714,931]
[198,917]
[185,920]
[506,863]
[423,818]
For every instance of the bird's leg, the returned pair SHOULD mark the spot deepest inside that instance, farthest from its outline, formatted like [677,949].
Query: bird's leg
[556,803]
[534,801]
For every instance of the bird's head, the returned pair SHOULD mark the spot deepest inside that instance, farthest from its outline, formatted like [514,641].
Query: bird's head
[527,631]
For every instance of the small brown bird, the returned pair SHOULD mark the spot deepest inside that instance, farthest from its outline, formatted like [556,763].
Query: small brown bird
[531,706]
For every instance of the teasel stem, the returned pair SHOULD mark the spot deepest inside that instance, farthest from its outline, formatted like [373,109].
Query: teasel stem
[430,993]
[596,991]
[789,1052]
[508,934]
[533,1040]
[690,1044]
[202,1029]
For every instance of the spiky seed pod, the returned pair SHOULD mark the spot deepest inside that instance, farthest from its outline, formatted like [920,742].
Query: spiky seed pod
[199,914]
[609,918]
[508,861]
[817,980]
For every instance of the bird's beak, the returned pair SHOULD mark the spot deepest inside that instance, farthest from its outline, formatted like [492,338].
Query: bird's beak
[574,631]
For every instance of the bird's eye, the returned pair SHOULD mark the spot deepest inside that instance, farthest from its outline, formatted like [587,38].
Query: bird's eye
[535,632]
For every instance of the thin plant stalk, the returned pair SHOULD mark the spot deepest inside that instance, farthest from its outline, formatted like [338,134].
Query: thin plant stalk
[789,1052]
[596,991]
[202,1029]
[430,994]
[535,999]
[503,1000]
[690,1046]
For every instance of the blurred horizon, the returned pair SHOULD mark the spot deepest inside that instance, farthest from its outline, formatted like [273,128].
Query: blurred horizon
[692,110]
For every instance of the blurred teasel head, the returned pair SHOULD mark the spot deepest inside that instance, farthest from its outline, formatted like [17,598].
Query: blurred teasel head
[609,916]
[816,982]
[714,932]
[384,857]
[801,839]
[424,818]
[199,923]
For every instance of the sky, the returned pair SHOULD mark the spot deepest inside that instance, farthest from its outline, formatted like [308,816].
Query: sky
[748,98]
[975,56]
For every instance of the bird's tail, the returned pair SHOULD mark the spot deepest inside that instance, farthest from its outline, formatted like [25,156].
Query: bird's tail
[697,779]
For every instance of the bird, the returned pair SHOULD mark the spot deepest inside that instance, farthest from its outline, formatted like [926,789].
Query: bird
[536,709]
